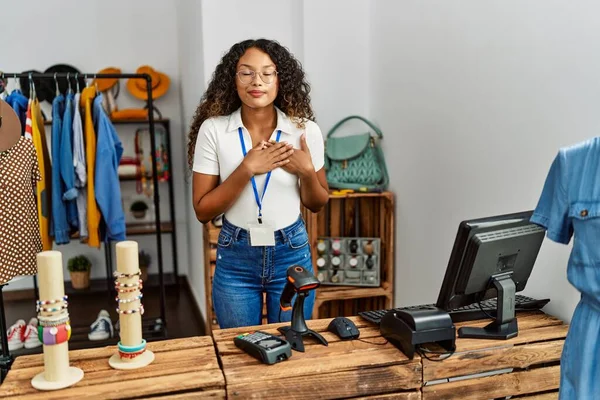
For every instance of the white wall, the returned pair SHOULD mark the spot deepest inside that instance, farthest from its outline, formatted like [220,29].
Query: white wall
[474,99]
[90,36]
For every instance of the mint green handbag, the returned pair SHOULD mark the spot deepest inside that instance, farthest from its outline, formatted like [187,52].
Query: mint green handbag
[355,162]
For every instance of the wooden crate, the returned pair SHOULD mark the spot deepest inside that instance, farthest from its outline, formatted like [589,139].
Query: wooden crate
[343,369]
[188,367]
[376,219]
[525,365]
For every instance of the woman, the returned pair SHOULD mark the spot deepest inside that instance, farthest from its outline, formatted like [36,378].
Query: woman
[256,153]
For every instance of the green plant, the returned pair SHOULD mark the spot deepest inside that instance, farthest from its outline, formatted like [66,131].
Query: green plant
[139,206]
[79,264]
[144,259]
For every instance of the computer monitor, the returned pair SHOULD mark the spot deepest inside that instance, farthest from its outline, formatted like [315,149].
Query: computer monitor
[491,257]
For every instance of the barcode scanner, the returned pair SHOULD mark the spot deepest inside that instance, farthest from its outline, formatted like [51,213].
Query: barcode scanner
[299,282]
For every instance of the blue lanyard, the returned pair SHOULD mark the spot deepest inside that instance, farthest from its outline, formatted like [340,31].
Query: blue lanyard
[256,196]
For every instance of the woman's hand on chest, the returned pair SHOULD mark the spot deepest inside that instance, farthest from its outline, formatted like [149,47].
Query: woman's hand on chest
[265,157]
[300,162]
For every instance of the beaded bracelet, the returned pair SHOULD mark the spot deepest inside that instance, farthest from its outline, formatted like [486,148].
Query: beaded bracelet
[138,297]
[132,311]
[46,302]
[51,335]
[128,285]
[118,274]
[132,349]
[44,309]
[131,355]
[118,289]
[63,320]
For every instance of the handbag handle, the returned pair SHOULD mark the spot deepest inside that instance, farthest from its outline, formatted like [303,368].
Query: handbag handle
[366,121]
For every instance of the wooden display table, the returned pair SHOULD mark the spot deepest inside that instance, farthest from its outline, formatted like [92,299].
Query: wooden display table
[187,367]
[340,370]
[527,364]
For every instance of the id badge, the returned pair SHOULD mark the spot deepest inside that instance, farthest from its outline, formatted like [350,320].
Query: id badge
[261,234]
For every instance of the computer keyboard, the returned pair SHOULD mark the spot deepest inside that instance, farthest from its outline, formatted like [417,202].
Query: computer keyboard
[467,313]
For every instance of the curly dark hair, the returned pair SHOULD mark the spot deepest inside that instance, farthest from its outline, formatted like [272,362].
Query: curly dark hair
[221,97]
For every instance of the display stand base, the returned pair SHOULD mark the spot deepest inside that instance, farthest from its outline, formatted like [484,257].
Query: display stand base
[39,381]
[139,362]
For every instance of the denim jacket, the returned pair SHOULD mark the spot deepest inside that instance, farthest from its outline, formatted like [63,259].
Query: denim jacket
[59,227]
[67,171]
[109,150]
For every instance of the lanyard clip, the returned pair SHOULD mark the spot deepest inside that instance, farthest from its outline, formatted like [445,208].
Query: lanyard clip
[259,217]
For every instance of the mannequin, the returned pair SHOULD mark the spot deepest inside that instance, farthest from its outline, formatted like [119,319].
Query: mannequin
[19,229]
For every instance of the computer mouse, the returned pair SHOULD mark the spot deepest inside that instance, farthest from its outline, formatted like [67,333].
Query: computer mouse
[343,328]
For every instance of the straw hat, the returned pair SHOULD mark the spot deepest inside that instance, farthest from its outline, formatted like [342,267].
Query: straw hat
[105,84]
[160,83]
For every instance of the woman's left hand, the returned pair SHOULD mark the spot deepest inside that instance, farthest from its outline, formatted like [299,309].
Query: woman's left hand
[300,162]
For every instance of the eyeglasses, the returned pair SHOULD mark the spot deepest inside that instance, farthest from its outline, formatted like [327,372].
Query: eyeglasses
[247,76]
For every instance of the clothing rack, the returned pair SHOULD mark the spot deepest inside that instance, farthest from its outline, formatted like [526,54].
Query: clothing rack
[6,359]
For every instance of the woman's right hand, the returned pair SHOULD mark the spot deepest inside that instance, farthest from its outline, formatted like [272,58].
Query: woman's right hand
[262,158]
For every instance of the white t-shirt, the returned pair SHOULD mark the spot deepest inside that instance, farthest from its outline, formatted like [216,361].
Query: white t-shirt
[219,152]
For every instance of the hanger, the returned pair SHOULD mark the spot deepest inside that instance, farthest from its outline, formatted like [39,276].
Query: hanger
[56,83]
[77,81]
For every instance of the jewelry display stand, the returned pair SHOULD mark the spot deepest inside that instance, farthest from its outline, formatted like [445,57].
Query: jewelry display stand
[55,329]
[132,352]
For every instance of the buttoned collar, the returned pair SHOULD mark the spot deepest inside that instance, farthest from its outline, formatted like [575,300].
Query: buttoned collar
[284,123]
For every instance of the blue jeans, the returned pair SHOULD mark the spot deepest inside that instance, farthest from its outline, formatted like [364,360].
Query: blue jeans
[244,272]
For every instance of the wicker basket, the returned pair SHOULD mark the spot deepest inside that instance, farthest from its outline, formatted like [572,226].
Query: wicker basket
[80,279]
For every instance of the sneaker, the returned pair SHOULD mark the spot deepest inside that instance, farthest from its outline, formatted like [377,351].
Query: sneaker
[31,335]
[16,335]
[102,328]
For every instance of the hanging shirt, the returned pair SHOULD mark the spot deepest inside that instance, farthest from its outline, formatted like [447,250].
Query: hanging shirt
[17,100]
[19,229]
[93,214]
[109,151]
[67,171]
[569,208]
[80,169]
[43,190]
[59,228]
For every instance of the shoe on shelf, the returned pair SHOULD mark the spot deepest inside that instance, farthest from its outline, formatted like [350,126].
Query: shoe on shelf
[16,335]
[102,328]
[31,339]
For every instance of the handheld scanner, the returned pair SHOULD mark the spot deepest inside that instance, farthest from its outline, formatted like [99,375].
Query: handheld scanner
[298,280]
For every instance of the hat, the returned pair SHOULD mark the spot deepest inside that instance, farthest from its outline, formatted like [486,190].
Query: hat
[137,86]
[105,84]
[63,85]
[44,89]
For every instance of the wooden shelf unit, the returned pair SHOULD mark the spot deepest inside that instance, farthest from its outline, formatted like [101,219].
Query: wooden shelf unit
[376,220]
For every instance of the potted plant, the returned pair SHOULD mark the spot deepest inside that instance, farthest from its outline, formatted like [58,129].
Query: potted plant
[138,209]
[144,260]
[79,269]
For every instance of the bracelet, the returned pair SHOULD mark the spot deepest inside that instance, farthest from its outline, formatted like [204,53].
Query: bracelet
[138,297]
[128,285]
[118,289]
[131,355]
[44,309]
[133,311]
[132,349]
[53,318]
[45,302]
[62,320]
[51,335]
[118,274]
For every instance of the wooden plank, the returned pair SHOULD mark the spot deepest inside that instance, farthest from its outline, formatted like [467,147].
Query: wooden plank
[533,381]
[543,396]
[476,362]
[334,385]
[315,363]
[329,293]
[207,394]
[526,320]
[126,388]
[415,395]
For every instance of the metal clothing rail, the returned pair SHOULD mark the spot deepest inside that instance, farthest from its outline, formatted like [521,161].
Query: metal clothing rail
[68,75]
